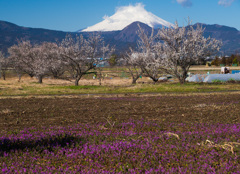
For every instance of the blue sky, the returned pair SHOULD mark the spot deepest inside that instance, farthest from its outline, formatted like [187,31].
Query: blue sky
[72,15]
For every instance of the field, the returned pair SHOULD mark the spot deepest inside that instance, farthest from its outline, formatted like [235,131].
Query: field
[177,133]
[116,80]
[29,87]
[56,127]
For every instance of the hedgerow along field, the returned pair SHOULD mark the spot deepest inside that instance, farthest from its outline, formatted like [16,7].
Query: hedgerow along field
[158,133]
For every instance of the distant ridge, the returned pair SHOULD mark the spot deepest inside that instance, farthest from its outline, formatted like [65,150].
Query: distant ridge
[122,39]
[10,33]
[228,35]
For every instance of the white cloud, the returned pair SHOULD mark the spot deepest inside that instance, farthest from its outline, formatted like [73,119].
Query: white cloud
[185,3]
[225,3]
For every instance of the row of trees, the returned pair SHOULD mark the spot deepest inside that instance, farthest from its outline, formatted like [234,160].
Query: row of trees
[3,65]
[172,51]
[75,55]
[233,59]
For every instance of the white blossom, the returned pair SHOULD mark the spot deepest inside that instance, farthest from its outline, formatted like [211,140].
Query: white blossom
[181,47]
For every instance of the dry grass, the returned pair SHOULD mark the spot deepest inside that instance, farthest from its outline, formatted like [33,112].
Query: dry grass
[6,111]
[229,146]
[170,134]
[30,87]
[15,83]
[203,67]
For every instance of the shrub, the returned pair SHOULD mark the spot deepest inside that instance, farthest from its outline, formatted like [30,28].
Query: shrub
[217,81]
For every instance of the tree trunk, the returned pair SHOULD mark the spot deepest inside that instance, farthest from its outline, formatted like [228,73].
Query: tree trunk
[40,79]
[31,75]
[154,80]
[77,79]
[4,75]
[19,77]
[134,81]
[55,76]
[182,81]
[184,76]
[100,77]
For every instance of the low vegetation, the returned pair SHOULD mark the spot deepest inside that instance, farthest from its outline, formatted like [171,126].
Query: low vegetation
[28,86]
[162,134]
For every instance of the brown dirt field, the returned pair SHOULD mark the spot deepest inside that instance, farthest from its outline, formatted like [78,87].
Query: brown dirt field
[27,81]
[19,113]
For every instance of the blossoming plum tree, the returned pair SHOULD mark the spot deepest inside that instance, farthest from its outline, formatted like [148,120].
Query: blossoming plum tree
[174,49]
[180,47]
[35,59]
[82,54]
[22,58]
[4,63]
[142,60]
[146,46]
[52,52]
[134,63]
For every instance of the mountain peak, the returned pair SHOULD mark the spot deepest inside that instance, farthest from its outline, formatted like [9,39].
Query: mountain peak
[126,15]
[129,33]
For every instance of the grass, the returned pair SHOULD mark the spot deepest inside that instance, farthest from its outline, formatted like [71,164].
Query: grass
[80,87]
[113,83]
[12,87]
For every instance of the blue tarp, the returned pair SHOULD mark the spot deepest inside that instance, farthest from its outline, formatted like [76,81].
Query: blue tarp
[235,71]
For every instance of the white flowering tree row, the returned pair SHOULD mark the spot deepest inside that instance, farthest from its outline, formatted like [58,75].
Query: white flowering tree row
[4,63]
[172,50]
[77,55]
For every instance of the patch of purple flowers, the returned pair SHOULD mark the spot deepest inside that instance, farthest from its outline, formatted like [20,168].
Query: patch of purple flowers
[129,147]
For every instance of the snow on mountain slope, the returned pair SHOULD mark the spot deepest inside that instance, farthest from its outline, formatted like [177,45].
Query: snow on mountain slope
[126,15]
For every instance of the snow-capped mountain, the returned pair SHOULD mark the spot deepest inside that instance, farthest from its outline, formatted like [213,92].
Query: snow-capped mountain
[122,40]
[126,15]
